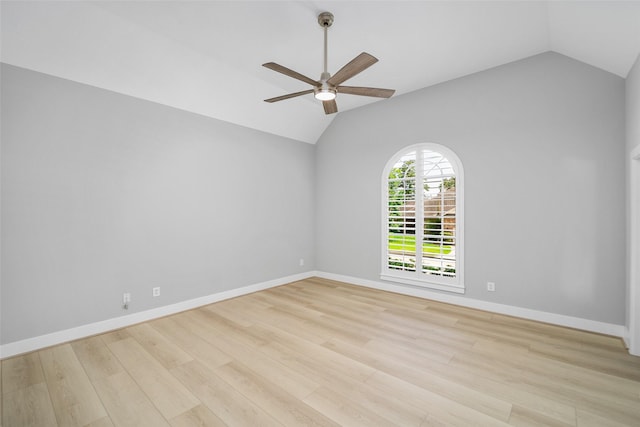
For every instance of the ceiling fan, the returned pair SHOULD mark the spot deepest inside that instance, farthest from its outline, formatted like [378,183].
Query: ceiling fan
[327,88]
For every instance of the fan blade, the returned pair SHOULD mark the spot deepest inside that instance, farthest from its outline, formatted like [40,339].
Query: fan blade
[366,91]
[330,107]
[287,96]
[287,72]
[357,65]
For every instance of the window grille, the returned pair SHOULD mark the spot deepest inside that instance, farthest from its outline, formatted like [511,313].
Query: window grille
[422,243]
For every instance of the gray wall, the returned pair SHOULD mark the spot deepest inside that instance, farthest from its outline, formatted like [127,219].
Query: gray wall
[633,106]
[542,145]
[633,140]
[104,193]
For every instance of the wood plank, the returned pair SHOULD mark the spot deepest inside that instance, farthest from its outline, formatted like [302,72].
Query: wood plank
[21,371]
[282,405]
[74,399]
[627,369]
[587,419]
[163,350]
[114,336]
[178,330]
[439,408]
[506,391]
[410,370]
[96,358]
[221,325]
[126,403]
[288,348]
[102,422]
[198,416]
[166,392]
[282,321]
[28,406]
[278,373]
[345,412]
[523,417]
[225,401]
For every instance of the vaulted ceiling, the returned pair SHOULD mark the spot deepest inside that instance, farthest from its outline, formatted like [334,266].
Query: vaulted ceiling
[206,56]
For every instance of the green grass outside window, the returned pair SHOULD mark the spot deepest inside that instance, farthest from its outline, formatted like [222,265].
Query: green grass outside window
[407,243]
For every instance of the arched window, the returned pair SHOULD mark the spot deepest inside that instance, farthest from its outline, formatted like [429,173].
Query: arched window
[422,239]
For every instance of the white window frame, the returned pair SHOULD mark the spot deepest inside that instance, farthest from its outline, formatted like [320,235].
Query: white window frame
[417,278]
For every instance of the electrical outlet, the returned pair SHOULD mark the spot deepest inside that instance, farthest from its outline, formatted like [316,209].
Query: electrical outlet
[156,291]
[301,262]
[126,299]
[491,286]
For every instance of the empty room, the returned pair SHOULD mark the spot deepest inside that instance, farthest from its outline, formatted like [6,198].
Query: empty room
[331,213]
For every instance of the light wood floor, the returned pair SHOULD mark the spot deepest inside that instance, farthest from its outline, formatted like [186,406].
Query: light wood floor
[318,352]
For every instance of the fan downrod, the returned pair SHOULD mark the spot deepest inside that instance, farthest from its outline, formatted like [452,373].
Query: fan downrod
[325,19]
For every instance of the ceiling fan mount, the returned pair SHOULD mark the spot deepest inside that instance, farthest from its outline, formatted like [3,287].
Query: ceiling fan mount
[325,19]
[327,88]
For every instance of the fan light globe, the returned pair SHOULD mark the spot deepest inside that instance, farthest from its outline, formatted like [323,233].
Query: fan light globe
[325,95]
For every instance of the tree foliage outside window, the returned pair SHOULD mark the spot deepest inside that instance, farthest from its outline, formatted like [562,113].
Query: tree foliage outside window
[402,192]
[448,183]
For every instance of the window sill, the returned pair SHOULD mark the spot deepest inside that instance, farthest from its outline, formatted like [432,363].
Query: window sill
[448,287]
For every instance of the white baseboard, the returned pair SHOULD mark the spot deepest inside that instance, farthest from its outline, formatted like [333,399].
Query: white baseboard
[37,343]
[525,313]
[626,337]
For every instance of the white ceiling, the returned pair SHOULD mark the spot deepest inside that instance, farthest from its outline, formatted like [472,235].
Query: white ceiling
[206,56]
